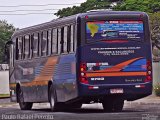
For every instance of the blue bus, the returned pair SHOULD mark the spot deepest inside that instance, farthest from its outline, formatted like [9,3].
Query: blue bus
[94,57]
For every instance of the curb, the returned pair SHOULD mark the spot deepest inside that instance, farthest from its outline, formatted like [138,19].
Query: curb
[7,105]
[152,99]
[4,97]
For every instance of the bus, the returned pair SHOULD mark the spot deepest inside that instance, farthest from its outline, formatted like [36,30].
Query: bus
[93,57]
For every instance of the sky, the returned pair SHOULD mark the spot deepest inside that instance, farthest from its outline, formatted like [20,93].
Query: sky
[21,21]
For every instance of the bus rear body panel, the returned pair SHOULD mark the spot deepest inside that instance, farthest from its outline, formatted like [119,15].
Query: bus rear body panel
[121,67]
[115,56]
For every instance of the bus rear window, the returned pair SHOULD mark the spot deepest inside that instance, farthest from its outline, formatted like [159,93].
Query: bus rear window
[114,30]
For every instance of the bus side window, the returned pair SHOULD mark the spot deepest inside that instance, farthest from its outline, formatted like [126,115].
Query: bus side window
[26,46]
[20,47]
[54,41]
[62,40]
[43,43]
[68,39]
[65,36]
[40,37]
[49,39]
[39,44]
[35,45]
[59,41]
[31,45]
[72,39]
[23,47]
[17,50]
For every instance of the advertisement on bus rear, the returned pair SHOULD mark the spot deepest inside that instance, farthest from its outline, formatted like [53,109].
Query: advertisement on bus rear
[104,30]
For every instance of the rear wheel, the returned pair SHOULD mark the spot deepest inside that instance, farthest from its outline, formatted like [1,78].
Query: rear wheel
[113,104]
[52,98]
[23,105]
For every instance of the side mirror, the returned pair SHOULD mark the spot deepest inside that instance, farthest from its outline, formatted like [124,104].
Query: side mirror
[5,59]
[7,51]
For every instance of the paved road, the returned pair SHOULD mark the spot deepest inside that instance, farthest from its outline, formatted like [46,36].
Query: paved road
[144,109]
[6,100]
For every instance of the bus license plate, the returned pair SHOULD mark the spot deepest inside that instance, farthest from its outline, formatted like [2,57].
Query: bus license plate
[116,91]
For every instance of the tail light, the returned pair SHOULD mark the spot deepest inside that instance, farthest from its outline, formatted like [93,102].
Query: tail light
[83,78]
[149,71]
[83,67]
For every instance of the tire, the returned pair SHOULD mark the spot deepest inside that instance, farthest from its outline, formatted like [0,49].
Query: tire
[113,105]
[53,98]
[23,105]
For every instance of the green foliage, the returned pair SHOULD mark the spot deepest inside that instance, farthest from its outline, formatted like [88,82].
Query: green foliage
[84,7]
[157,89]
[155,28]
[6,30]
[149,6]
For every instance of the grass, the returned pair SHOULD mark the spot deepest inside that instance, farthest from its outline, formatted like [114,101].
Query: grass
[4,95]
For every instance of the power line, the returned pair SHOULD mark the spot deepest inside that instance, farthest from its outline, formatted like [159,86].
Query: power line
[27,10]
[5,11]
[37,5]
[29,14]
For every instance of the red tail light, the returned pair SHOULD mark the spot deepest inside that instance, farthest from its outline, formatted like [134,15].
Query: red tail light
[83,78]
[149,71]
[83,67]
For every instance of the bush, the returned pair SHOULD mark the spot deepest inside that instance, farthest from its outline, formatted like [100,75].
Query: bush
[157,89]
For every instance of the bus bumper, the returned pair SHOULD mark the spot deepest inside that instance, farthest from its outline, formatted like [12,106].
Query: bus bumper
[130,92]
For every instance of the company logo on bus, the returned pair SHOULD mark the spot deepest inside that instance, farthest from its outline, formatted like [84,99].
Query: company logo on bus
[97,79]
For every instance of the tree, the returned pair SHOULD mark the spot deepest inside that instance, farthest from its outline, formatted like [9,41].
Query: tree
[84,7]
[6,30]
[155,34]
[149,6]
[155,28]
